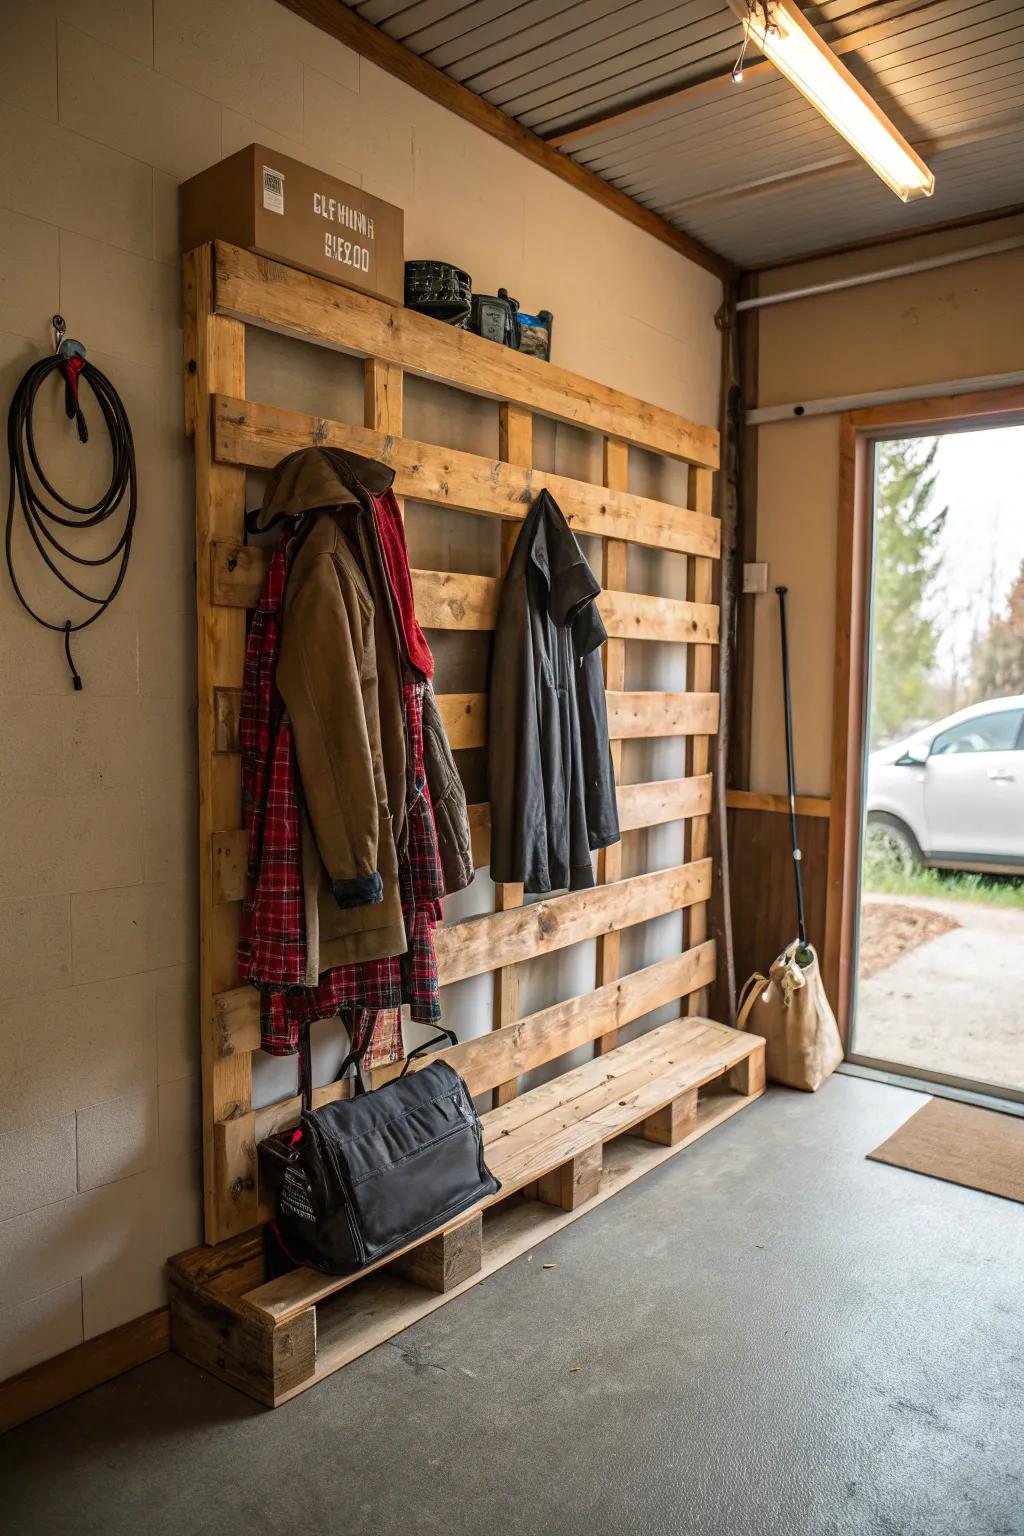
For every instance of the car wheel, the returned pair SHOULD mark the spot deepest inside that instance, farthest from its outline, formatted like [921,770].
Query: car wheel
[892,843]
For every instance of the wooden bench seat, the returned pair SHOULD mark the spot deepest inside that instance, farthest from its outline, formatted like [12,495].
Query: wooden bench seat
[548,1144]
[553,1123]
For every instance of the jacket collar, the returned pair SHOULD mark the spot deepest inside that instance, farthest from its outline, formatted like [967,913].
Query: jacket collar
[555,552]
[313,478]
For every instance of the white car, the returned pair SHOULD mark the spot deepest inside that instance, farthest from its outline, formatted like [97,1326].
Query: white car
[952,795]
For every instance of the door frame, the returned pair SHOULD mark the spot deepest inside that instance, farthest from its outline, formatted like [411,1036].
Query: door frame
[858,432]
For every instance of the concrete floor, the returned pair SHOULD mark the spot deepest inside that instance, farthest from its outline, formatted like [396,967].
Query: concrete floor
[776,1338]
[954,1004]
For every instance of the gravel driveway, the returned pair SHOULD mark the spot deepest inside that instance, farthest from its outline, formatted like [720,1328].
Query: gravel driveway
[954,1004]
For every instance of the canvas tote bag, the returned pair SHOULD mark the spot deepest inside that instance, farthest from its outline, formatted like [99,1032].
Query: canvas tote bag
[789,1010]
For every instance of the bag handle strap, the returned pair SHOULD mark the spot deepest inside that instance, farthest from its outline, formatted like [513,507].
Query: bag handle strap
[360,1033]
[360,1022]
[748,996]
[428,1045]
[305,1068]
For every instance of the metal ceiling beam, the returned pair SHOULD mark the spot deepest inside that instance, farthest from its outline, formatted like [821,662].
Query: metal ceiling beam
[340,22]
[712,84]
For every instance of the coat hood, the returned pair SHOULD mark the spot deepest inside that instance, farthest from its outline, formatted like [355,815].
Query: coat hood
[313,478]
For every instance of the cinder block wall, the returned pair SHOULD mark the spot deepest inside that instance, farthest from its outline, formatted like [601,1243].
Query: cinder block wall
[104,106]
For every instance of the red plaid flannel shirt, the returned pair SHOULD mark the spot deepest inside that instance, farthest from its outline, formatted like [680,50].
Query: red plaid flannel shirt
[272,938]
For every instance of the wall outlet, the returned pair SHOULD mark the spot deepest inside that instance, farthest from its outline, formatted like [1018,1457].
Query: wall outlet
[755,576]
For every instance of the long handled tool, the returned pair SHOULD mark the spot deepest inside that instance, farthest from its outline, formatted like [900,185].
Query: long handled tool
[791,778]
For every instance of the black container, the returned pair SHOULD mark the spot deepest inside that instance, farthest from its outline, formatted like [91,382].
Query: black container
[438,289]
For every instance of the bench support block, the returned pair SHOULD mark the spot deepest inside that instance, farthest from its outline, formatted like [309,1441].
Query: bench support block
[575,1181]
[445,1261]
[748,1077]
[673,1122]
[258,1359]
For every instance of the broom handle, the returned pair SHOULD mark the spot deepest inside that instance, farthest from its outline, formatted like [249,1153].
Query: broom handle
[790,771]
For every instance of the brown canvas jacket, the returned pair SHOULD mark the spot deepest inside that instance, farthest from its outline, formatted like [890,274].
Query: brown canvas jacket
[340,677]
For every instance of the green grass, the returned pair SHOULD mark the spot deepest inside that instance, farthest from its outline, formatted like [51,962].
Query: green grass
[887,879]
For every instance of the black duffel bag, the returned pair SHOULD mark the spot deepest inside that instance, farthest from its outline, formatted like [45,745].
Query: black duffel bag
[365,1177]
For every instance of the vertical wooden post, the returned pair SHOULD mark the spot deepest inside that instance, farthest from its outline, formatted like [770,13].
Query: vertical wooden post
[383,408]
[614,578]
[699,582]
[515,446]
[384,400]
[215,363]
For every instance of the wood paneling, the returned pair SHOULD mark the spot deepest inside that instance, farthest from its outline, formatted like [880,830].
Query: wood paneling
[763,894]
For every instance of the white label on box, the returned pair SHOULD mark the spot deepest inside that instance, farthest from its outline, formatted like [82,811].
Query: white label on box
[273,190]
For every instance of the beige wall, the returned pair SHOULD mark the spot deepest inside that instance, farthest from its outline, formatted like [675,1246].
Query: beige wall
[104,106]
[956,322]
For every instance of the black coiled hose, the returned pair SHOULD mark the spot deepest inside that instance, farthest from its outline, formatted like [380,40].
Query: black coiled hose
[30,489]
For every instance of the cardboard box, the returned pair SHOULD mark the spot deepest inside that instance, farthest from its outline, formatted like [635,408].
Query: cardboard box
[271,204]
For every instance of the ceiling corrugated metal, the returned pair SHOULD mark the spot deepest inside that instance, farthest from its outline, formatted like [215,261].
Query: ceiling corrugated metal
[751,171]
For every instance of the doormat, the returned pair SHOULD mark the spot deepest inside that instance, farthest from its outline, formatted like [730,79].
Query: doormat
[961,1144]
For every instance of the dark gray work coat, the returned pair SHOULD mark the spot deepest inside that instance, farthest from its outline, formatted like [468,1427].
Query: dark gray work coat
[552,787]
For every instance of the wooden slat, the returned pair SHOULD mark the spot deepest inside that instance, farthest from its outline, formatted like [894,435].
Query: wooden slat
[283,1114]
[649,805]
[518,1136]
[484,943]
[465,719]
[544,1036]
[444,599]
[598,1101]
[630,715]
[640,805]
[701,662]
[755,800]
[614,578]
[256,436]
[637,616]
[693,1053]
[214,358]
[265,293]
[661,714]
[451,600]
[481,944]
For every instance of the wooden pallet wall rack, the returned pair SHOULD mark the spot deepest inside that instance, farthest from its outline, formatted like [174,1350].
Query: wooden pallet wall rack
[558,1149]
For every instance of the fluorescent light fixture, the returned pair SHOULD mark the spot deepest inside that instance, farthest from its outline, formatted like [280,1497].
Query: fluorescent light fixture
[795,49]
